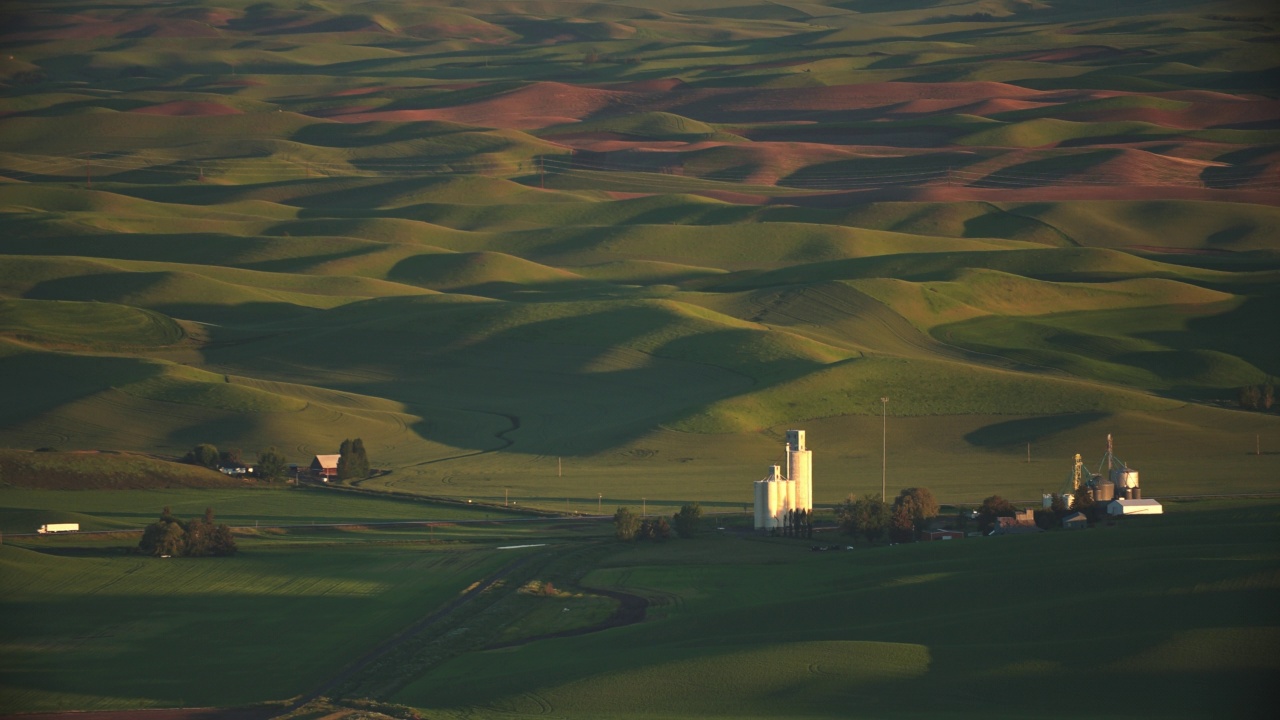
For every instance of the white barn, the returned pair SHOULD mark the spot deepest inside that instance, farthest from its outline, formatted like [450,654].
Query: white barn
[1125,506]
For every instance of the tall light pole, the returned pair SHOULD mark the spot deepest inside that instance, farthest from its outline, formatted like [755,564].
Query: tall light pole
[884,444]
[599,503]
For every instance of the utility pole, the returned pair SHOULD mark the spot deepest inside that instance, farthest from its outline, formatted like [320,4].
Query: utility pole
[504,496]
[644,507]
[599,503]
[1028,452]
[559,468]
[884,445]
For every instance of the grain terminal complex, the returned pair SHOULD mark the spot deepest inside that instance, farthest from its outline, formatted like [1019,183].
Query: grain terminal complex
[776,495]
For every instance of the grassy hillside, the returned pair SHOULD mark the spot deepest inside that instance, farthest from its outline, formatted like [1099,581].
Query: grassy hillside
[483,238]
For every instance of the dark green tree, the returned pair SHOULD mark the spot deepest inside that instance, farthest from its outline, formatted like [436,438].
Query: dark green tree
[1046,519]
[687,520]
[870,517]
[353,461]
[173,540]
[1250,397]
[271,464]
[1082,501]
[1267,399]
[171,537]
[846,519]
[222,543]
[656,529]
[625,524]
[1058,504]
[361,458]
[992,508]
[203,454]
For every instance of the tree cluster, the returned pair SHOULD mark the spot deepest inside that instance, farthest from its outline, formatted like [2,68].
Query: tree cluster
[271,464]
[912,511]
[204,454]
[1257,397]
[798,524]
[992,508]
[866,516]
[208,455]
[627,526]
[687,520]
[172,537]
[656,529]
[354,461]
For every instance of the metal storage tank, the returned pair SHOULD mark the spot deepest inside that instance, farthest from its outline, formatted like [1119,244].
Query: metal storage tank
[791,495]
[1135,493]
[1103,491]
[1124,478]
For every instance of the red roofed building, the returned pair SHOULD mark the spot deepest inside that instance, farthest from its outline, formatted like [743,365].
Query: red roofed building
[325,466]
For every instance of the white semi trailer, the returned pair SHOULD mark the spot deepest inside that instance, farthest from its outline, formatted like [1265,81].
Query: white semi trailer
[58,528]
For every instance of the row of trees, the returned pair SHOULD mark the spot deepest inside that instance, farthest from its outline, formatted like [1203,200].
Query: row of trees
[354,463]
[797,524]
[873,518]
[172,537]
[271,464]
[627,526]
[1257,397]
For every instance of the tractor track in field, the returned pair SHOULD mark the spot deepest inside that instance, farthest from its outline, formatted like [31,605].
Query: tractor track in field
[387,646]
[631,610]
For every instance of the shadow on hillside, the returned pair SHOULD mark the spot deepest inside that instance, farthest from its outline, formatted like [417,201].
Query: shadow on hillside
[1012,433]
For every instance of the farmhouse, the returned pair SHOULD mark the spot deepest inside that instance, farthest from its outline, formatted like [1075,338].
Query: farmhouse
[325,466]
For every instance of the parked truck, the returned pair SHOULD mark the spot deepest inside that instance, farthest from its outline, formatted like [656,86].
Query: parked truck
[58,528]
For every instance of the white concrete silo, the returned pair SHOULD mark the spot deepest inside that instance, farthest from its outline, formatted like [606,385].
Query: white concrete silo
[761,502]
[800,469]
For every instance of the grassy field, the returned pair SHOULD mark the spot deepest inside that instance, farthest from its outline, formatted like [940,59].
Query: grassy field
[1179,605]
[111,631]
[581,255]
[737,625]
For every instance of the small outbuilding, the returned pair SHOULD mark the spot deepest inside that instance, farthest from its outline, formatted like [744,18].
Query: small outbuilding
[1126,506]
[1075,521]
[325,466]
[942,535]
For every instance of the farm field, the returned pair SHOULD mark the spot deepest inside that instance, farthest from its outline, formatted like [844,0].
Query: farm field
[1180,605]
[571,255]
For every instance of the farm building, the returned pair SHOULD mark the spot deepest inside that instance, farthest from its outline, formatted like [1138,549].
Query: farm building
[1022,524]
[325,466]
[942,535]
[1126,506]
[776,496]
[1075,521]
